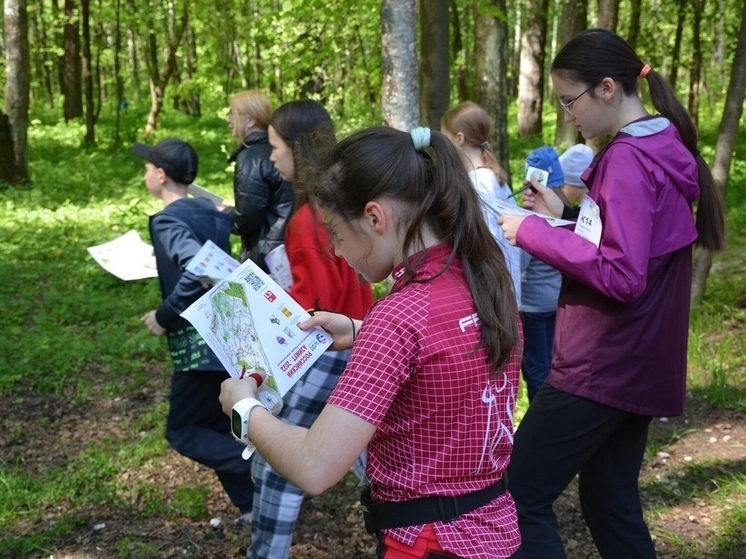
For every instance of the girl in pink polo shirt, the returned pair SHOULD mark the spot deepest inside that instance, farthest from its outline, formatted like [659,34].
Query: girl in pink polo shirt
[431,384]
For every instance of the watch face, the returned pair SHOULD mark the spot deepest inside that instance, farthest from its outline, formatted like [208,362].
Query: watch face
[236,424]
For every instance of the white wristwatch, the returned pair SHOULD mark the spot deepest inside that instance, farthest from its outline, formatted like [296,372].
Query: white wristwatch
[240,418]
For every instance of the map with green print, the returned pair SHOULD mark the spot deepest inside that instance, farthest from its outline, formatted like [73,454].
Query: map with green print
[233,324]
[251,324]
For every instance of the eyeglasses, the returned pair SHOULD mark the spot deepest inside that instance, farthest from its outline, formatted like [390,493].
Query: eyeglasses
[567,105]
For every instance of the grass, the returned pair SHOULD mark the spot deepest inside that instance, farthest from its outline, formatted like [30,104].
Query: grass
[63,315]
[711,486]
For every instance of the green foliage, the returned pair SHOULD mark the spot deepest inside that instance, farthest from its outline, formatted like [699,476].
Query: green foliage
[130,548]
[380,290]
[43,542]
[64,316]
[717,366]
[190,502]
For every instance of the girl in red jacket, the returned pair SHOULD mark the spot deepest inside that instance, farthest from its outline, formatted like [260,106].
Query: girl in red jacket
[320,281]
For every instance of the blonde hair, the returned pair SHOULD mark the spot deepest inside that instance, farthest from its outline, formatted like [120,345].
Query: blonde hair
[253,102]
[476,125]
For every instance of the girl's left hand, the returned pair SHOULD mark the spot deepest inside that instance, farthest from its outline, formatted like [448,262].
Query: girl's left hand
[337,325]
[510,225]
[233,389]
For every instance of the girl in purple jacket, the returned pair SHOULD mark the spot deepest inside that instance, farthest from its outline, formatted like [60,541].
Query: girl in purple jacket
[622,323]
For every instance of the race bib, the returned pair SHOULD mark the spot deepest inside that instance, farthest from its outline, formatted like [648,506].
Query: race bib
[589,225]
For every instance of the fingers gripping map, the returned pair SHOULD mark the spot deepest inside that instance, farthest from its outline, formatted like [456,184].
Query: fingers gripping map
[251,323]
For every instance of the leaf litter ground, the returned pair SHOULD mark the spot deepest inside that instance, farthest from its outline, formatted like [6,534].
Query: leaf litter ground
[43,432]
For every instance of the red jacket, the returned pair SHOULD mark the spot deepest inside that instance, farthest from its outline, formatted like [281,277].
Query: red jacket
[320,279]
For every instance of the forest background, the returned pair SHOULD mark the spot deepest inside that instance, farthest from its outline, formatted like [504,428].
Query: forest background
[82,383]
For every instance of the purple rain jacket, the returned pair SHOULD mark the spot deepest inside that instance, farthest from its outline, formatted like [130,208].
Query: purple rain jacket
[623,311]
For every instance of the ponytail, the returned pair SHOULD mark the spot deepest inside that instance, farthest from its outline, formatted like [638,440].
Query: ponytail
[490,161]
[433,191]
[476,125]
[458,219]
[710,218]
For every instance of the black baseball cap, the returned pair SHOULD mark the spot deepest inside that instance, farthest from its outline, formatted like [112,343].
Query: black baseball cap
[176,157]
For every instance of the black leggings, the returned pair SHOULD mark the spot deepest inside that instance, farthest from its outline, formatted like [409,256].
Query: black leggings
[560,436]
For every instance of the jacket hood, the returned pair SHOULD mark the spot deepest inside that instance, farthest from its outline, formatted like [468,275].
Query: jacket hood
[660,141]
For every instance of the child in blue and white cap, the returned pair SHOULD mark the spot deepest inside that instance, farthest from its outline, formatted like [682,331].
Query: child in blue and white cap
[546,158]
[574,161]
[540,285]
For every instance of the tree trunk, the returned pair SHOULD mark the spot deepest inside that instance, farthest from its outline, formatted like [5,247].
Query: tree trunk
[608,14]
[436,63]
[159,80]
[574,20]
[701,269]
[118,72]
[187,100]
[515,54]
[675,55]
[71,87]
[491,76]
[718,75]
[39,33]
[726,142]
[90,116]
[400,103]
[531,79]
[193,99]
[59,39]
[14,123]
[101,37]
[134,63]
[634,22]
[695,74]
[458,48]
[237,55]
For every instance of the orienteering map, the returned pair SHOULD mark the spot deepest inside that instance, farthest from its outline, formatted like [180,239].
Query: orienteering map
[249,321]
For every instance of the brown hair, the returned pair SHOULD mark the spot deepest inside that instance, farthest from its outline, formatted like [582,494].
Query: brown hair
[595,54]
[432,189]
[476,125]
[305,126]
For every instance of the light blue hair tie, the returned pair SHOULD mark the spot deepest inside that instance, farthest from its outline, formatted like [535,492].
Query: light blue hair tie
[420,137]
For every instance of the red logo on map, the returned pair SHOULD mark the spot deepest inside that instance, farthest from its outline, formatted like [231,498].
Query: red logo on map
[269,296]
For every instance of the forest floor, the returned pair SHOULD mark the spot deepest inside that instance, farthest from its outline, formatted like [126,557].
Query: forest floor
[330,526]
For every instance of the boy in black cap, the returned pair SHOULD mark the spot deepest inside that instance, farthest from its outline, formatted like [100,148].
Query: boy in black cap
[196,426]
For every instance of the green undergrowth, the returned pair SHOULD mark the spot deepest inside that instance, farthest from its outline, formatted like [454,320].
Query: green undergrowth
[63,314]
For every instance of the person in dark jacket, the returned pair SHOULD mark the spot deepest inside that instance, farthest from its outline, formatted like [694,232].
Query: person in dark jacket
[196,426]
[263,201]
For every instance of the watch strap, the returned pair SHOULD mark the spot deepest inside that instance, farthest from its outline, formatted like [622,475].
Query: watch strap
[240,418]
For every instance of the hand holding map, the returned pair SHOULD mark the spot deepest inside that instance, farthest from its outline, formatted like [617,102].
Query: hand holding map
[249,321]
[501,207]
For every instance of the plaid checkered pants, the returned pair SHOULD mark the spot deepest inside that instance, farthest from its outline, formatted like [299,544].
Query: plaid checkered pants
[277,502]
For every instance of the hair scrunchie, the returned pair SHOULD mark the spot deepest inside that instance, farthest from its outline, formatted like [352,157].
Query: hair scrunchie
[420,137]
[644,71]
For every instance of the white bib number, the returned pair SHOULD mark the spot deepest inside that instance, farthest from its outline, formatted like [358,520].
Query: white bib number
[589,225]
